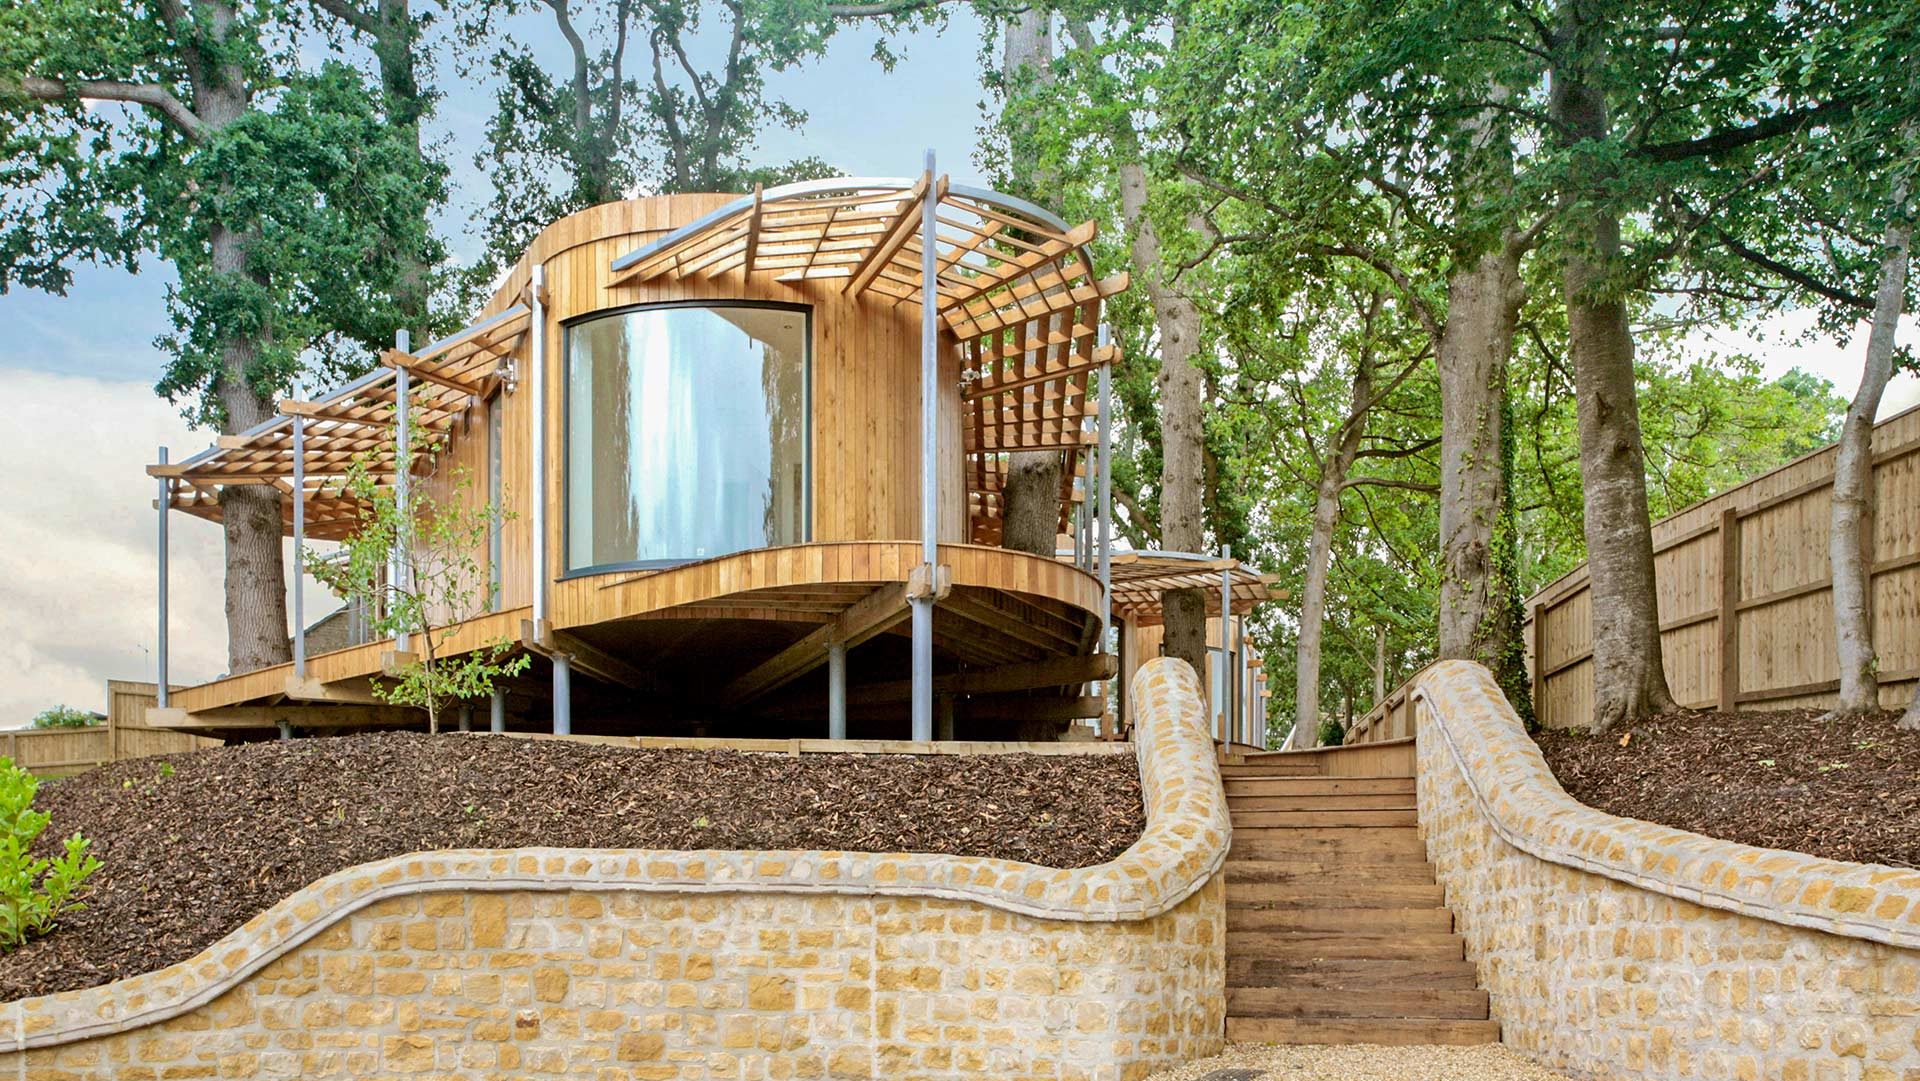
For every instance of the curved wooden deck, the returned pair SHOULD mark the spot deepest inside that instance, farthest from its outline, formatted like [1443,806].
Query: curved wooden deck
[734,631]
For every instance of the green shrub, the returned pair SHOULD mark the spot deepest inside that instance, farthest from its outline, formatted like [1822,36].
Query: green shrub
[34,891]
[64,717]
[1332,733]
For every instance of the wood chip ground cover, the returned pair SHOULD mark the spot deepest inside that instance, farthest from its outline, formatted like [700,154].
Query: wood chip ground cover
[1843,790]
[196,844]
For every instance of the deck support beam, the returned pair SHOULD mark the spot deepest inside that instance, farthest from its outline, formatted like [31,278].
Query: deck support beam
[873,614]
[299,547]
[836,689]
[922,605]
[165,504]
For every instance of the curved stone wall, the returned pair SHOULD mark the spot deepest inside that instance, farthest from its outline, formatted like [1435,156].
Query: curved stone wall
[1618,948]
[704,964]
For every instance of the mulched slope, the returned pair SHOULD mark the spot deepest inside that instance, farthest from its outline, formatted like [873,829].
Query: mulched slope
[1844,790]
[196,844]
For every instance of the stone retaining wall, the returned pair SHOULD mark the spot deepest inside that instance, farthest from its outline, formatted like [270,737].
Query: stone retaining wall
[685,965]
[1618,948]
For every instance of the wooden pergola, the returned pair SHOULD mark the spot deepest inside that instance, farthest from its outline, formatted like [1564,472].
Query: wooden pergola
[356,422]
[1014,284]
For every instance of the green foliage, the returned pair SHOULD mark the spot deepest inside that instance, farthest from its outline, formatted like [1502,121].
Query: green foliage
[35,891]
[605,128]
[289,208]
[1332,733]
[442,580]
[64,717]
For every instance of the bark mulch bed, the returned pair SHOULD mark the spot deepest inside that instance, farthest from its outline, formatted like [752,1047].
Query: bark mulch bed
[196,844]
[1843,790]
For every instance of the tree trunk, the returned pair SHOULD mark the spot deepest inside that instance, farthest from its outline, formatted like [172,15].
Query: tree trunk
[1910,720]
[1483,305]
[256,598]
[1334,469]
[406,106]
[1182,400]
[1629,676]
[1849,543]
[1030,502]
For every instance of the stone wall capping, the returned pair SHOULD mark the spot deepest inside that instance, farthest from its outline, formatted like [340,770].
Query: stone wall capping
[1179,853]
[1525,806]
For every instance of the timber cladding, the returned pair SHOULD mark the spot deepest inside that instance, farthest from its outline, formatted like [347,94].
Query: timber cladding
[694,965]
[1745,613]
[1617,948]
[865,390]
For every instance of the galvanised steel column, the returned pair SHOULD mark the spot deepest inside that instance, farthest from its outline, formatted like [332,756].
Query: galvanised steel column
[299,546]
[1240,679]
[537,326]
[160,648]
[537,378]
[1226,646]
[1105,507]
[402,476]
[836,690]
[929,452]
[562,695]
[497,719]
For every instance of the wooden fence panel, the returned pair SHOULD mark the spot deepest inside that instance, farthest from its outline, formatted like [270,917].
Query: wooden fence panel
[1745,613]
[56,751]
[127,705]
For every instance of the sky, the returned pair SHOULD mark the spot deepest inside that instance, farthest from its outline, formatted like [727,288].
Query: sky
[77,544]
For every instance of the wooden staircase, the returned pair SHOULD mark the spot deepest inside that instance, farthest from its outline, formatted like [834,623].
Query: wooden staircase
[1337,931]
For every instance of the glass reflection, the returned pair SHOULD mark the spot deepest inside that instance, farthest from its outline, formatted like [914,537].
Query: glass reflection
[686,433]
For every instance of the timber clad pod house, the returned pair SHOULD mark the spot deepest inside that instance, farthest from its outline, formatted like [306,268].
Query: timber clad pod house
[751,452]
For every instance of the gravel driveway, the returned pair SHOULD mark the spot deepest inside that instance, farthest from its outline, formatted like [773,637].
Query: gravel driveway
[1360,1063]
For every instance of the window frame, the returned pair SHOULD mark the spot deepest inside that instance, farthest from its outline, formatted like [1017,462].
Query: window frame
[565,508]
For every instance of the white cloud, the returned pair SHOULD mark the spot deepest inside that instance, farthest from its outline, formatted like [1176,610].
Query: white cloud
[77,545]
[1782,343]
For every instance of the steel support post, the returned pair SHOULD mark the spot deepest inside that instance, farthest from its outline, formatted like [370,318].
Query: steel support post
[402,477]
[1105,502]
[161,686]
[497,712]
[836,690]
[1226,646]
[537,378]
[299,546]
[466,717]
[929,455]
[562,695]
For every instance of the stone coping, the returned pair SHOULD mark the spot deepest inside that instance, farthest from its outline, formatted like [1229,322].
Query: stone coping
[1180,850]
[1526,807]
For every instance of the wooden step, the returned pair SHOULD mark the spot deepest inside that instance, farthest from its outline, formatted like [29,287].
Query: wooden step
[1300,946]
[1450,1003]
[1362,844]
[1264,772]
[1348,974]
[1330,870]
[1398,1032]
[1323,819]
[1317,786]
[1359,801]
[1342,893]
[1372,921]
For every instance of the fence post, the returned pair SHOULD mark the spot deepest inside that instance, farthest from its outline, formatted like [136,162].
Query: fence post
[1729,609]
[1540,664]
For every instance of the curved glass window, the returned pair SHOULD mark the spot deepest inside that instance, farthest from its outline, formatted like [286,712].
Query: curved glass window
[686,433]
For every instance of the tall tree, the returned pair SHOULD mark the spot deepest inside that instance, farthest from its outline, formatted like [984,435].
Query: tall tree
[1030,498]
[636,112]
[397,38]
[186,132]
